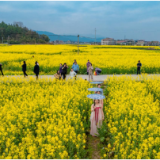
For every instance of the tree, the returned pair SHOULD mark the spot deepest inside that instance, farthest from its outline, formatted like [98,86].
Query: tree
[20,34]
[20,24]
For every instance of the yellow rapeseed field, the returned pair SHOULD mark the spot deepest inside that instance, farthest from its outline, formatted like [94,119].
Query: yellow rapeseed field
[49,119]
[132,116]
[111,59]
[43,119]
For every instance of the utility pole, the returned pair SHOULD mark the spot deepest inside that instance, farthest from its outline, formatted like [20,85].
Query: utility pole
[95,36]
[78,45]
[2,40]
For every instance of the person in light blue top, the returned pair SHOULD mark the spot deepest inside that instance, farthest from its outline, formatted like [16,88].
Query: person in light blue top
[75,67]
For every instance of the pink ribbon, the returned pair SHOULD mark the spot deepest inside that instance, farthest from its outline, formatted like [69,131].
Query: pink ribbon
[96,114]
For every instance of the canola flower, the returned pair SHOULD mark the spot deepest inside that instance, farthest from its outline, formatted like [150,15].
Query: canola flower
[43,119]
[111,59]
[132,112]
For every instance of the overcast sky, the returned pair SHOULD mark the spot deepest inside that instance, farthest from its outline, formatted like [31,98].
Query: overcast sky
[134,20]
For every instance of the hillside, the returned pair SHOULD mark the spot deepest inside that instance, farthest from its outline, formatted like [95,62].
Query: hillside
[15,34]
[54,37]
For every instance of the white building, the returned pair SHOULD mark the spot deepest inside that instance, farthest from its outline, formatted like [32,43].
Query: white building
[108,41]
[140,43]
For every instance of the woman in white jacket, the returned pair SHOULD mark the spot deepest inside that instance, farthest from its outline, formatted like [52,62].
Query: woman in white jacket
[72,74]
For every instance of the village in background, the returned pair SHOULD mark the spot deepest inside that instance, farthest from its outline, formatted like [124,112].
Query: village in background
[17,33]
[112,41]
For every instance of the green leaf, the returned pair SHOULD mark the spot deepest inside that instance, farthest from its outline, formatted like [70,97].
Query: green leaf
[102,139]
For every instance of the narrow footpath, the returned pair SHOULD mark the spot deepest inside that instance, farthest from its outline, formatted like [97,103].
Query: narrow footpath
[95,78]
[94,144]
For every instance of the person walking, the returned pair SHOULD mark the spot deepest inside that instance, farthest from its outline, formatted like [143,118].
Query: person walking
[96,117]
[72,73]
[1,69]
[88,64]
[90,70]
[36,69]
[24,68]
[139,65]
[57,75]
[64,70]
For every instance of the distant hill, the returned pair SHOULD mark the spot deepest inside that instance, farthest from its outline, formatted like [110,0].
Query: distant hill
[54,37]
[15,34]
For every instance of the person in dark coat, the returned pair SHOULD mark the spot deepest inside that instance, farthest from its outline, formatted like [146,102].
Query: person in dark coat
[1,69]
[139,65]
[64,70]
[36,69]
[24,68]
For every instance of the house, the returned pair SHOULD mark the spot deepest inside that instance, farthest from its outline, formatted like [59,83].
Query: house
[130,42]
[125,42]
[147,43]
[140,43]
[121,42]
[98,43]
[56,42]
[68,42]
[60,42]
[154,43]
[108,41]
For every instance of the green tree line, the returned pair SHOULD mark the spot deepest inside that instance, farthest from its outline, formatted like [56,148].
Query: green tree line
[15,34]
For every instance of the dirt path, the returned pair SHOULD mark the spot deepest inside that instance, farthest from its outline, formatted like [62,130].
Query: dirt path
[93,143]
[95,78]
[93,149]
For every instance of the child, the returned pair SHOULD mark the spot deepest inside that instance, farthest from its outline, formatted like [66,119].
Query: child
[72,73]
[57,75]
